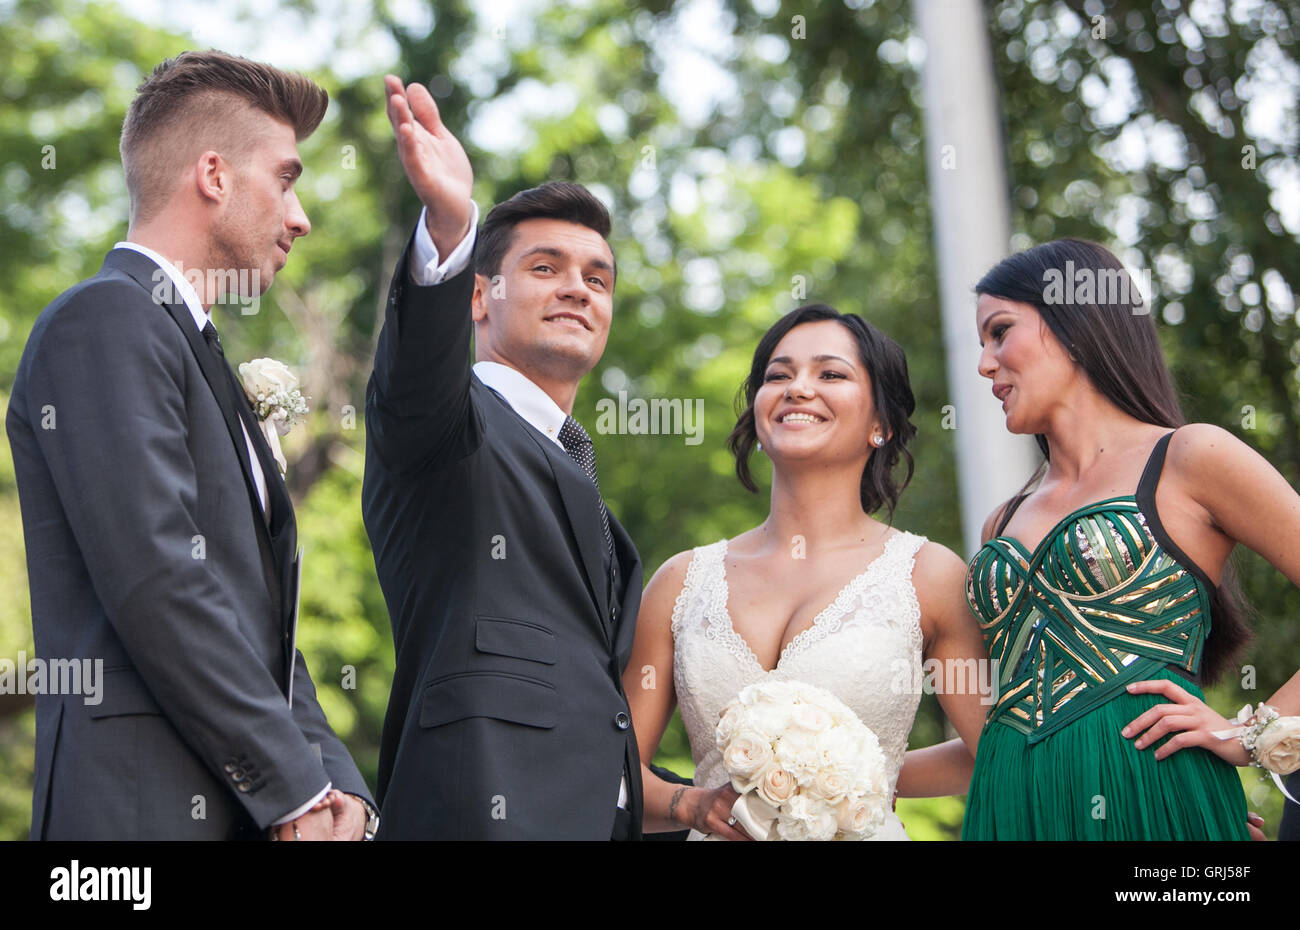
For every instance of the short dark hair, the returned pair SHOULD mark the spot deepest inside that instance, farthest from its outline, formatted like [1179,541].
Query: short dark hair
[199,92]
[554,200]
[891,392]
[1114,341]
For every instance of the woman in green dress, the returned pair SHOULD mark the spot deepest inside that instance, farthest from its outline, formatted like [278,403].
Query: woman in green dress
[1103,593]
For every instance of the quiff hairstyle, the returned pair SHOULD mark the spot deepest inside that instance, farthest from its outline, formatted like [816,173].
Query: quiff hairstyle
[203,99]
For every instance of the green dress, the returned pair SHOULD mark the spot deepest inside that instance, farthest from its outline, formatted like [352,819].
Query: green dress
[1106,599]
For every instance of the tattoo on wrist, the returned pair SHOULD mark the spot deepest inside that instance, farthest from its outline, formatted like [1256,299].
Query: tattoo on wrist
[672,805]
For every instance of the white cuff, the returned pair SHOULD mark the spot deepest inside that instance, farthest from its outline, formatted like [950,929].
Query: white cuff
[425,265]
[299,811]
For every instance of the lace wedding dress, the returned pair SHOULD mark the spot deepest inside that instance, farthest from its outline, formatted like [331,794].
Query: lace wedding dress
[864,647]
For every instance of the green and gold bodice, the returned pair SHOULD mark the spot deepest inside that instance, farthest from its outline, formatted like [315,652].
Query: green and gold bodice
[1098,604]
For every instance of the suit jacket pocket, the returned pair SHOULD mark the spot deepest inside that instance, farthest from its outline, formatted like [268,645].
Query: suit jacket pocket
[499,695]
[515,638]
[123,692]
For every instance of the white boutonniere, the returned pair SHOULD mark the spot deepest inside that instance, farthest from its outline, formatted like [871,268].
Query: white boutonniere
[272,389]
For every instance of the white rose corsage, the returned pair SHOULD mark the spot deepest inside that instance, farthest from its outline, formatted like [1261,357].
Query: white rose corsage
[272,389]
[1272,740]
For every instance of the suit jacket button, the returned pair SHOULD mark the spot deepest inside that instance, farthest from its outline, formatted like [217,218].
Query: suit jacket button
[243,786]
[613,613]
[622,721]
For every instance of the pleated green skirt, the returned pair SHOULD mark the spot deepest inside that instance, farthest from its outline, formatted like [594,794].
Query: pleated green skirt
[1087,782]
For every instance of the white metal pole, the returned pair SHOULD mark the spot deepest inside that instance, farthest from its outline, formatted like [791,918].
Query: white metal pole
[969,194]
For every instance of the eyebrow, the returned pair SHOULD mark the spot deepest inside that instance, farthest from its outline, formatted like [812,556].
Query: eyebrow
[786,360]
[554,252]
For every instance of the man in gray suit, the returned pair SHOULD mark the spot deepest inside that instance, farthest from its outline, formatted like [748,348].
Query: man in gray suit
[160,535]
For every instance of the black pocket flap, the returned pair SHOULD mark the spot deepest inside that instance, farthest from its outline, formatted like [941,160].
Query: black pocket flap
[515,638]
[488,694]
[122,692]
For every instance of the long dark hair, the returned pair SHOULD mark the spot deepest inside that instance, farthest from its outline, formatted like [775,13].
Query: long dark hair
[1114,342]
[890,389]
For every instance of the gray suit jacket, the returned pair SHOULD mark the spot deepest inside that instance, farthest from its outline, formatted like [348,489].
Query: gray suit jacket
[147,549]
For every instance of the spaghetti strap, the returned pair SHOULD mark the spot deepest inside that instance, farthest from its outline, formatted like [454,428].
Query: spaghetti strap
[1151,474]
[1146,501]
[1008,511]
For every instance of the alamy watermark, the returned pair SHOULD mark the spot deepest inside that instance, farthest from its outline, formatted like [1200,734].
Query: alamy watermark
[657,416]
[53,676]
[241,286]
[76,882]
[947,676]
[1113,286]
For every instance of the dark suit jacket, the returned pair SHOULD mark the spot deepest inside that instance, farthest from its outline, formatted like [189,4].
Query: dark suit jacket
[146,548]
[507,718]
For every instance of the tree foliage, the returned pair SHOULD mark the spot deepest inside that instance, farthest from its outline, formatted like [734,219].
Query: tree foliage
[789,169]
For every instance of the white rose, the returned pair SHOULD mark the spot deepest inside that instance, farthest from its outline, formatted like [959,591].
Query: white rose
[729,723]
[1278,747]
[810,717]
[830,785]
[858,817]
[266,376]
[775,785]
[745,758]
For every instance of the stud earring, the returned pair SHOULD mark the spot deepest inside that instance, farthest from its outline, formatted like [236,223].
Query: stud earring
[878,439]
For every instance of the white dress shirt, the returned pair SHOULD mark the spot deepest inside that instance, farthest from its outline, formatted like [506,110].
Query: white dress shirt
[201,318]
[524,397]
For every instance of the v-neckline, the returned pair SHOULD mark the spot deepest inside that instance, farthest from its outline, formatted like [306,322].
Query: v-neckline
[818,619]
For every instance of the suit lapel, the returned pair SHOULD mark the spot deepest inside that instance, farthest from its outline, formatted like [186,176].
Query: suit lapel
[280,536]
[582,507]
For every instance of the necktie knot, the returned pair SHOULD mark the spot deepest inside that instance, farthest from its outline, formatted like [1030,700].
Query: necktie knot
[213,340]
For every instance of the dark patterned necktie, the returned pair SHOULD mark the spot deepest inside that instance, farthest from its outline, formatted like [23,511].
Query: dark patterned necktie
[577,443]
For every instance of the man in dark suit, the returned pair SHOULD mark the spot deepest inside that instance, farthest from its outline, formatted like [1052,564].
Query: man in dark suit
[511,589]
[160,536]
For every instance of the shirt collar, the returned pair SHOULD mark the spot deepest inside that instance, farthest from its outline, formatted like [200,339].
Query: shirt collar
[527,399]
[182,287]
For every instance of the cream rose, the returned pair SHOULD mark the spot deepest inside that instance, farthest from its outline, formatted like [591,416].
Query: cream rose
[263,377]
[853,816]
[1277,748]
[830,785]
[775,785]
[745,758]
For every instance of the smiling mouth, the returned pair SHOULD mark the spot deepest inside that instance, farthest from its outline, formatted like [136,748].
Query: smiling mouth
[1001,392]
[568,318]
[801,418]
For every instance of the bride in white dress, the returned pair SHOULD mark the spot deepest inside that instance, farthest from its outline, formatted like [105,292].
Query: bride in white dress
[820,592]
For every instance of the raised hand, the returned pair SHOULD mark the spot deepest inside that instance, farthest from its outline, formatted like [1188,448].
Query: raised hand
[434,161]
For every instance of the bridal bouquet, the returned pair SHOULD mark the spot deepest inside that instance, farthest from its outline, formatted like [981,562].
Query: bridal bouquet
[805,766]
